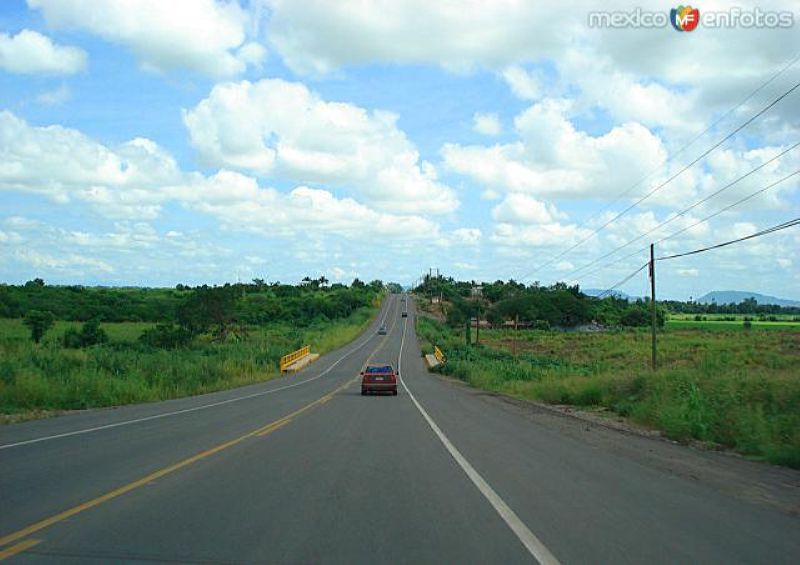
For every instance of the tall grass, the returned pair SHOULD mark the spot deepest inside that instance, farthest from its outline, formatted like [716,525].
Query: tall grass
[739,389]
[46,377]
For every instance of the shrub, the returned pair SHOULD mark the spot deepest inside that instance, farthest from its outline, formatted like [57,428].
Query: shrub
[38,322]
[166,336]
[91,334]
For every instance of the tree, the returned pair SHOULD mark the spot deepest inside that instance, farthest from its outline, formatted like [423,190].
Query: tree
[91,334]
[209,307]
[38,322]
[35,283]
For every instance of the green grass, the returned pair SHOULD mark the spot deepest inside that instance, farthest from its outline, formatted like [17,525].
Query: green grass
[737,388]
[728,324]
[35,379]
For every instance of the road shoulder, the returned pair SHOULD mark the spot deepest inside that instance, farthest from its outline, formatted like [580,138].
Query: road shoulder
[726,472]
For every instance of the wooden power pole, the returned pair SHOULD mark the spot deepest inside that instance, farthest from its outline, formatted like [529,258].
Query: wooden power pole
[653,302]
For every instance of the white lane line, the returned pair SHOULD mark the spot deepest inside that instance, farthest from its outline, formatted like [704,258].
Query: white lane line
[533,544]
[194,408]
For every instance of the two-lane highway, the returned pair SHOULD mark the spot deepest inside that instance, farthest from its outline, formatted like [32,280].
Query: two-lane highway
[304,469]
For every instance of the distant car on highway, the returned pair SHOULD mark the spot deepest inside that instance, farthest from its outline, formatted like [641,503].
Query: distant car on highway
[405,314]
[379,378]
[382,330]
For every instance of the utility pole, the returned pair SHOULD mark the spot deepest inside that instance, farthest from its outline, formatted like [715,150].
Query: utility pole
[514,343]
[653,301]
[478,325]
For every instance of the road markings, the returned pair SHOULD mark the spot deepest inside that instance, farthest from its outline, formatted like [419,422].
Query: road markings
[533,544]
[18,548]
[194,408]
[272,427]
[262,431]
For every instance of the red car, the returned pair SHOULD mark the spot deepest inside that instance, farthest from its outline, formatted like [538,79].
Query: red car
[379,378]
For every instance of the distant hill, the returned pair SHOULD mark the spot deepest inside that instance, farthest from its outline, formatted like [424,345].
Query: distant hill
[616,293]
[737,296]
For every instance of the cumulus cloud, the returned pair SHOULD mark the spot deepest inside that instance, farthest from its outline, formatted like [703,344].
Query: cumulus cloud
[281,128]
[207,36]
[554,158]
[63,164]
[30,52]
[623,72]
[523,209]
[315,36]
[135,179]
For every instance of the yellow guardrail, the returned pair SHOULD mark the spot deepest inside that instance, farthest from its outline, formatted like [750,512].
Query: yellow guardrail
[290,358]
[438,354]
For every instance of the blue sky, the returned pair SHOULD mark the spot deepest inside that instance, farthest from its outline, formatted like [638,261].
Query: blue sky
[210,141]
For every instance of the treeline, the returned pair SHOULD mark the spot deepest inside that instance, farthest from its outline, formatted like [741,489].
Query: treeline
[562,305]
[540,307]
[250,303]
[746,306]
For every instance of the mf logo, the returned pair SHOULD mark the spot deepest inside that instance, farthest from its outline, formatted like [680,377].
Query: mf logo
[684,18]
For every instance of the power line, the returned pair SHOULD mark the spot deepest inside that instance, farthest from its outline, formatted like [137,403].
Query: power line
[620,283]
[726,208]
[682,230]
[778,227]
[689,209]
[670,179]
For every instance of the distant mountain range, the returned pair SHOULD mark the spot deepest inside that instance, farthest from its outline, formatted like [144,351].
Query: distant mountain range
[718,296]
[616,293]
[737,296]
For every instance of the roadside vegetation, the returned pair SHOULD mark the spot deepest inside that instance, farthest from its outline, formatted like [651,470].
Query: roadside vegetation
[737,386]
[195,340]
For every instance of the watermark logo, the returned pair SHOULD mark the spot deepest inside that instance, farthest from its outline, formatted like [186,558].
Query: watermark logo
[684,18]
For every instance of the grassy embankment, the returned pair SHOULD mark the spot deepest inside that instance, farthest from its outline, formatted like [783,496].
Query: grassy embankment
[739,388]
[36,379]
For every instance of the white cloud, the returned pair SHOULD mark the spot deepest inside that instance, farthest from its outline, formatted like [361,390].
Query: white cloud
[624,72]
[688,272]
[487,124]
[207,36]
[543,235]
[316,36]
[135,179]
[71,263]
[280,128]
[554,158]
[30,52]
[524,209]
[64,164]
[524,84]
[238,202]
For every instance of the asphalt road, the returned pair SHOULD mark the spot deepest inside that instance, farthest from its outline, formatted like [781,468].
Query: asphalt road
[303,469]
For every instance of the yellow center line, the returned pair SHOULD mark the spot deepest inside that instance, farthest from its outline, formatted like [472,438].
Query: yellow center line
[18,548]
[61,516]
[272,427]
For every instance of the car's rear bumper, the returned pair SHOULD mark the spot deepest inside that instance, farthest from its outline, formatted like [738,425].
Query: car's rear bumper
[379,387]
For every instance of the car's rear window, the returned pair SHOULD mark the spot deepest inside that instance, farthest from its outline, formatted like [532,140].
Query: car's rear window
[383,369]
